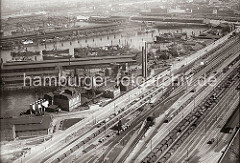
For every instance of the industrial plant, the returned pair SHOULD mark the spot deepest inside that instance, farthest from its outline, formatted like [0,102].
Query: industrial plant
[122,81]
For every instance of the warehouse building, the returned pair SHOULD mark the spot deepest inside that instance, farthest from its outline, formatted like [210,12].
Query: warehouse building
[25,127]
[67,99]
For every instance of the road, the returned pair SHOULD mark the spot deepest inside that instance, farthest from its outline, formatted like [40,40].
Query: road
[73,133]
[126,147]
[165,128]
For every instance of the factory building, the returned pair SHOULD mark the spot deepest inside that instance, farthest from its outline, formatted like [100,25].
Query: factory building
[67,99]
[38,126]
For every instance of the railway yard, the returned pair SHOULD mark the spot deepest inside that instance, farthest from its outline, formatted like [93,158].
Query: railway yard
[149,87]
[165,119]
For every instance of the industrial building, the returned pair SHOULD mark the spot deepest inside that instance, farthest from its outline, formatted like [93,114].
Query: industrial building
[24,127]
[67,99]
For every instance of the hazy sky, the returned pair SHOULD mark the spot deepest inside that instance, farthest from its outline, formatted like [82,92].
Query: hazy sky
[16,3]
[11,6]
[4,2]
[7,5]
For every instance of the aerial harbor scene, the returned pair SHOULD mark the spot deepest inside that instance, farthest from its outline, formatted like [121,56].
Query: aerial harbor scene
[120,81]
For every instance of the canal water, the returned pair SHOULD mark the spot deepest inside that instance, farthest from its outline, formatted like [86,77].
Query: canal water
[15,102]
[127,37]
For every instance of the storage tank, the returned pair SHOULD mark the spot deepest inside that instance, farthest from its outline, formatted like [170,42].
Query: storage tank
[34,106]
[39,110]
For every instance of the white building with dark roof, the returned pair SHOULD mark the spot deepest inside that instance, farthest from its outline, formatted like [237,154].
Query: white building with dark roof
[68,99]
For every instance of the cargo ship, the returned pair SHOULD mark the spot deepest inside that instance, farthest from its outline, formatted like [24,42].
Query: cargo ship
[56,54]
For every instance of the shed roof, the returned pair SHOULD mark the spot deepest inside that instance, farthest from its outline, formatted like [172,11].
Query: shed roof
[26,123]
[46,120]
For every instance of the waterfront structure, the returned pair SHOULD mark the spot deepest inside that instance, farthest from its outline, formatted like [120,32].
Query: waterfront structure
[68,99]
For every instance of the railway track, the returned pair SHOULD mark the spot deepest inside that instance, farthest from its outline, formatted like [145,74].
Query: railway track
[208,129]
[212,53]
[145,115]
[171,118]
[122,159]
[184,127]
[140,133]
[219,109]
[219,60]
[210,67]
[112,122]
[67,154]
[137,139]
[134,125]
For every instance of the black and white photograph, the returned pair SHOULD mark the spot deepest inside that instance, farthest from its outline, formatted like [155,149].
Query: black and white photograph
[119,81]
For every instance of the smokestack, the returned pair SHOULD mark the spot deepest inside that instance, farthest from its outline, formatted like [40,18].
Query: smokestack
[146,74]
[143,62]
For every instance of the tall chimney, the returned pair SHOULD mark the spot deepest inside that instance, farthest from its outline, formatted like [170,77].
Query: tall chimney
[146,73]
[143,62]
